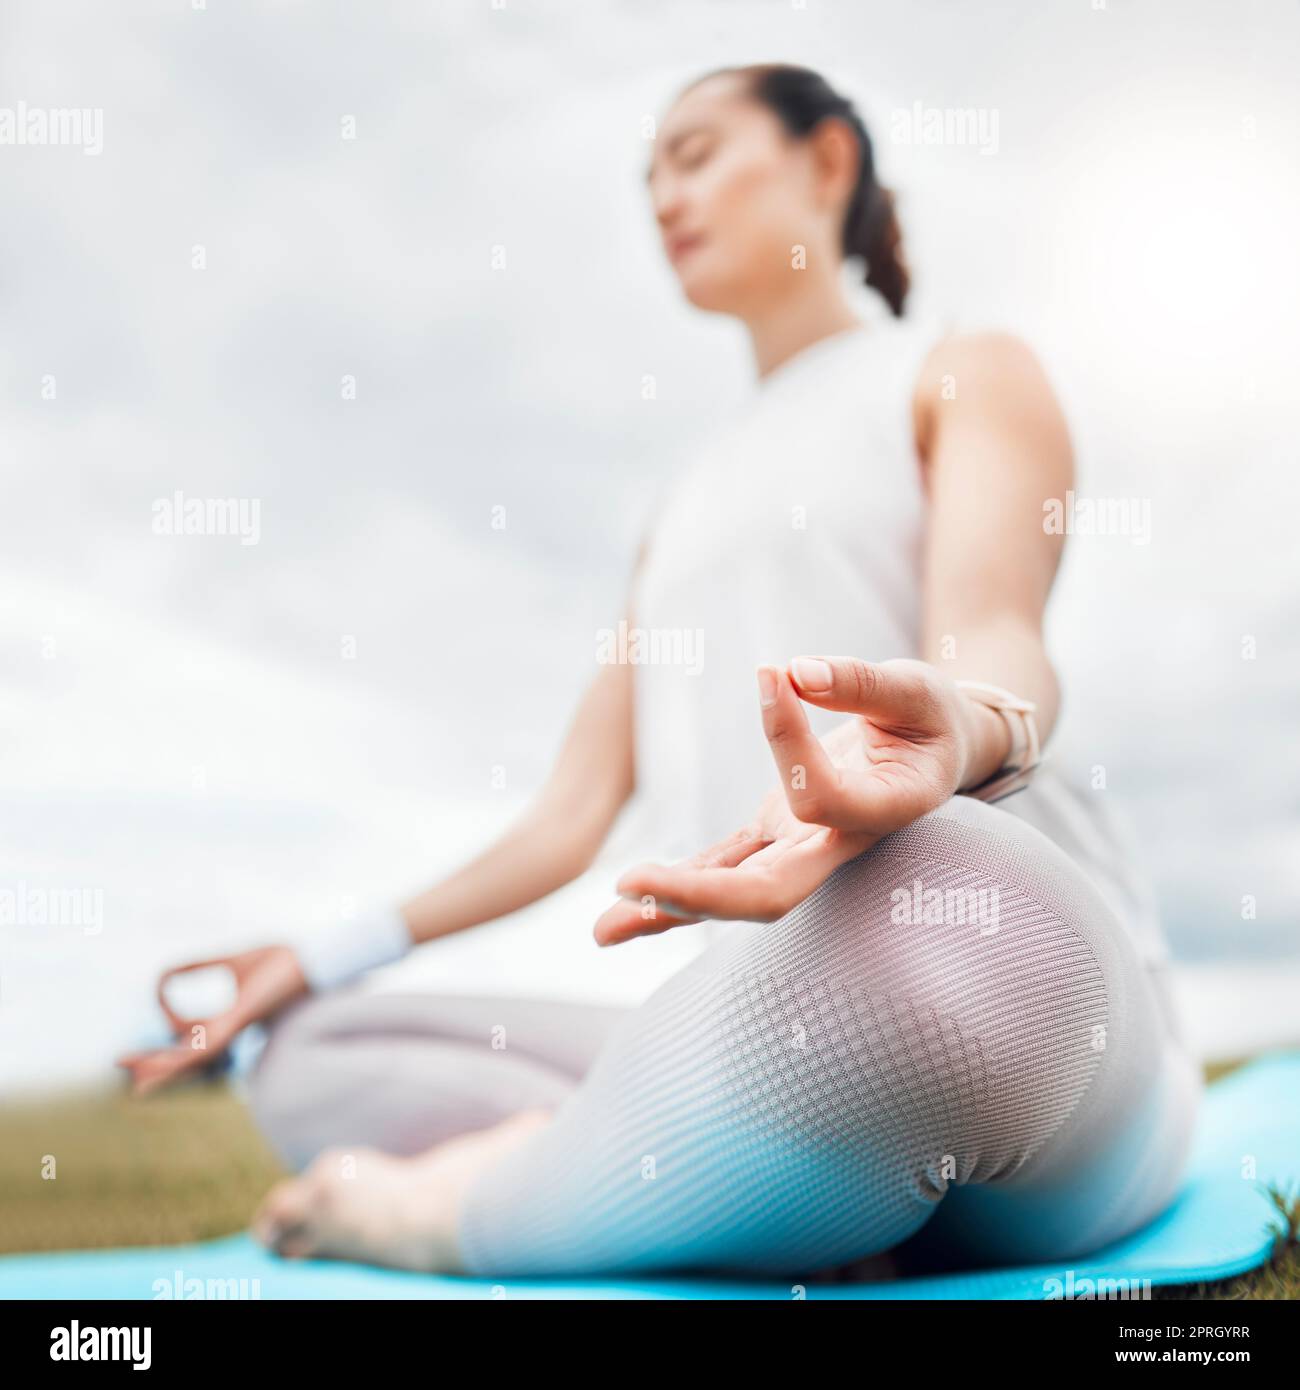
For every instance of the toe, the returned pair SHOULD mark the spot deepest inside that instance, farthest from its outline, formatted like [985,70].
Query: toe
[283,1217]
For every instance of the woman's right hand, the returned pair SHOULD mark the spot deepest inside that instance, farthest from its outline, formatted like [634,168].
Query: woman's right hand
[903,753]
[265,980]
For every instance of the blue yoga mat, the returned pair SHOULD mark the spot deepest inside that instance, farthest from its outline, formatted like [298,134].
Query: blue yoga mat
[1220,1225]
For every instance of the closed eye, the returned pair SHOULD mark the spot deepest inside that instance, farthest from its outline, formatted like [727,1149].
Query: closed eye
[695,153]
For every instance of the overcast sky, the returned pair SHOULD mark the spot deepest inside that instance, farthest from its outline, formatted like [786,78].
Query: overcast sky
[443,204]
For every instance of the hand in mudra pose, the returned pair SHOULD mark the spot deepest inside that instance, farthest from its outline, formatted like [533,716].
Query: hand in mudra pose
[265,980]
[904,752]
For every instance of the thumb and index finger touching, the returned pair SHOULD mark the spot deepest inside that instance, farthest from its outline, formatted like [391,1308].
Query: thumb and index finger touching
[891,695]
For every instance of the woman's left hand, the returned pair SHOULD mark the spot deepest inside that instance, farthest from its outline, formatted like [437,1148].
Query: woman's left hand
[903,753]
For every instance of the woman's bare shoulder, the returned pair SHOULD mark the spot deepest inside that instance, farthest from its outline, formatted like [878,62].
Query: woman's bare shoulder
[985,356]
[989,370]
[989,378]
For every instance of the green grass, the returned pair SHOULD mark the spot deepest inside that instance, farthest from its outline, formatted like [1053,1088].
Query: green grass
[189,1165]
[183,1165]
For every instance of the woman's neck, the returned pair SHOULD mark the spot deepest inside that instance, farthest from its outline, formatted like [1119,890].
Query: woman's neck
[788,326]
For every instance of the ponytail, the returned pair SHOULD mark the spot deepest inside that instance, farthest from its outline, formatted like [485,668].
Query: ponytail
[802,99]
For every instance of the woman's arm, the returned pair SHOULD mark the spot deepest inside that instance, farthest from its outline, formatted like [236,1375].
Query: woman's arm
[547,847]
[558,836]
[991,455]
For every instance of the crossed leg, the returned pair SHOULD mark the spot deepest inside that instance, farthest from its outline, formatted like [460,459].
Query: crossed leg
[404,1072]
[955,1014]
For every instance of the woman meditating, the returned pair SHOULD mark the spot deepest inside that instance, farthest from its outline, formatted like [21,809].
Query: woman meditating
[938,1010]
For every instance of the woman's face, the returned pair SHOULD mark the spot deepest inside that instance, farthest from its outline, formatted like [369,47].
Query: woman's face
[734,194]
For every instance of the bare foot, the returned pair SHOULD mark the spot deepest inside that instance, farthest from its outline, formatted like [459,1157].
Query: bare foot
[375,1208]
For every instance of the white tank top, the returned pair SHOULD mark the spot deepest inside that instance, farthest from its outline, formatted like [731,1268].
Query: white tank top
[798,530]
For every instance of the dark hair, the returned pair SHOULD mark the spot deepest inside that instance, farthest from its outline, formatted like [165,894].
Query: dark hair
[803,99]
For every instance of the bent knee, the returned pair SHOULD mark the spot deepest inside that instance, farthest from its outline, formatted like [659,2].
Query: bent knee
[291,1079]
[967,980]
[279,1083]
[279,1089]
[970,892]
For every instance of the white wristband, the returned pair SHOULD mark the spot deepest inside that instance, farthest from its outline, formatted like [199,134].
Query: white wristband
[341,952]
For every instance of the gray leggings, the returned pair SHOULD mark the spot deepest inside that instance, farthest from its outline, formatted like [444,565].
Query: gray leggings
[953,1032]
